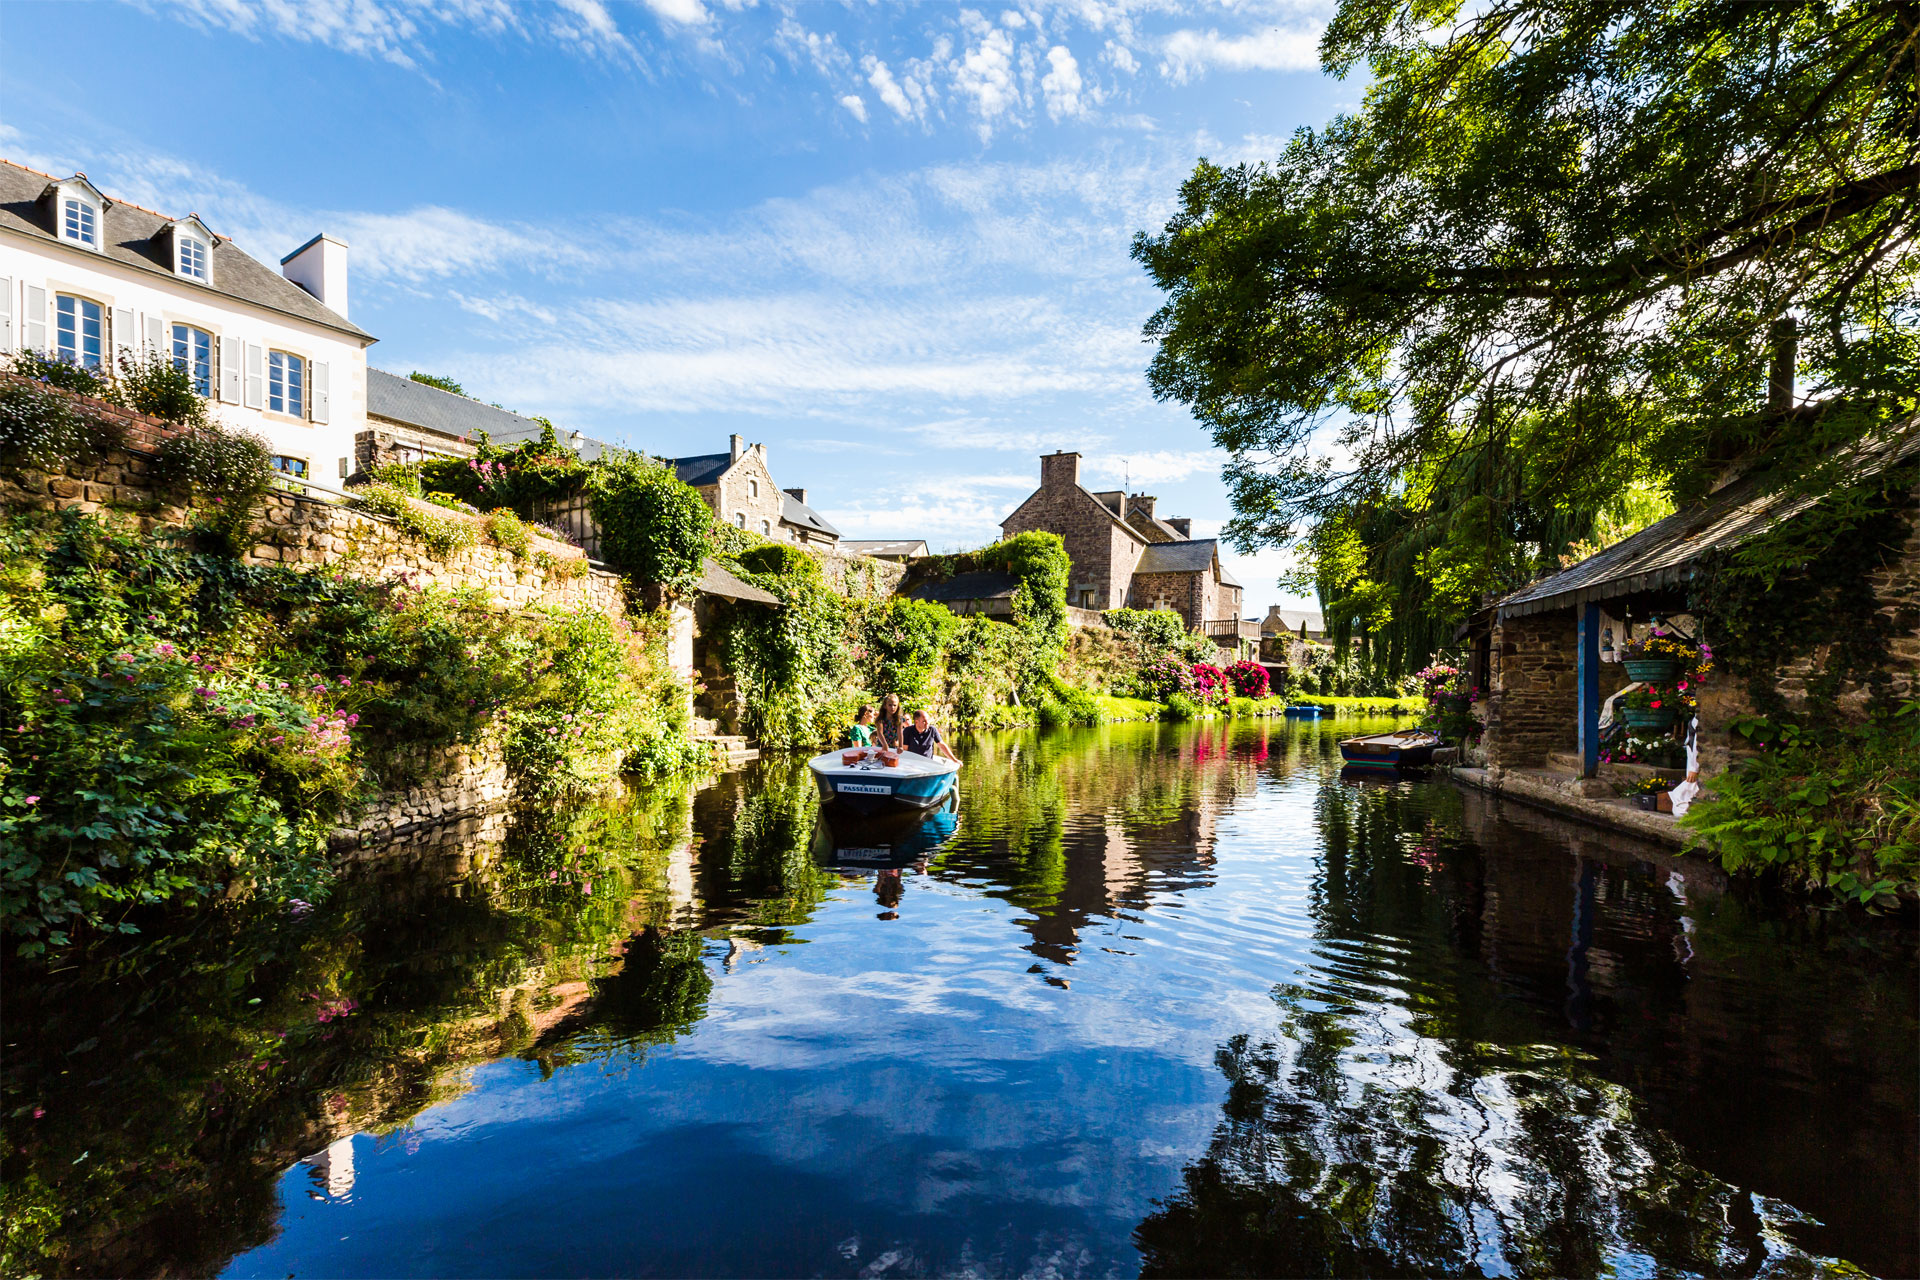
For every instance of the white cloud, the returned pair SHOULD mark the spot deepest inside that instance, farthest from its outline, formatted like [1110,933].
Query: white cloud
[1158,466]
[1188,54]
[1062,84]
[682,12]
[1121,57]
[857,105]
[892,93]
[985,73]
[398,31]
[821,49]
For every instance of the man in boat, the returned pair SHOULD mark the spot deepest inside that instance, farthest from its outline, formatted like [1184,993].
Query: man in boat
[861,735]
[923,738]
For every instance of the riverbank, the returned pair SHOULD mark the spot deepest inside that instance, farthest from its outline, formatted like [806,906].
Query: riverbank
[1118,710]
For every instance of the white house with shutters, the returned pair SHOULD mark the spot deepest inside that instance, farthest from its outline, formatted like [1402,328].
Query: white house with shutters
[91,278]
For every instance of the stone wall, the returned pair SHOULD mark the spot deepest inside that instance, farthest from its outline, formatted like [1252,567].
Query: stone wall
[1194,596]
[296,529]
[1533,705]
[459,783]
[856,576]
[1103,551]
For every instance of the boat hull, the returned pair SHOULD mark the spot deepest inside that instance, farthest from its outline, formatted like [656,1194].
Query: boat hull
[1388,752]
[917,783]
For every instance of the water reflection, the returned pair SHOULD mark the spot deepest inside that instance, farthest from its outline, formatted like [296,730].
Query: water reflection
[1166,997]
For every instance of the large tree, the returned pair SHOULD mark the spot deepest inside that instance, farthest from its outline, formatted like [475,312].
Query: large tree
[1542,276]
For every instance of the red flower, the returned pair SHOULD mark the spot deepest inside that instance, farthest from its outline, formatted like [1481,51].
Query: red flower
[1656,704]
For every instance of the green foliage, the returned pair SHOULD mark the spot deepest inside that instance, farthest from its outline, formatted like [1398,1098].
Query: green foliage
[42,429]
[1535,279]
[507,531]
[155,385]
[1155,631]
[1181,707]
[442,535]
[180,727]
[1829,809]
[67,375]
[404,476]
[653,527]
[435,380]
[779,558]
[903,642]
[226,473]
[1039,561]
[793,663]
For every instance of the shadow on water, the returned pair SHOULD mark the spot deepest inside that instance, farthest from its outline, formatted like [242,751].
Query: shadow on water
[1171,998]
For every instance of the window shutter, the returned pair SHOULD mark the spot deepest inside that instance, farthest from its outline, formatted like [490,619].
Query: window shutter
[322,406]
[256,377]
[6,313]
[231,369]
[157,335]
[124,333]
[33,325]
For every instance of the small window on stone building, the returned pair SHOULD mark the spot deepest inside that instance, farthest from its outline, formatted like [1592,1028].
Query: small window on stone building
[740,519]
[753,488]
[766,528]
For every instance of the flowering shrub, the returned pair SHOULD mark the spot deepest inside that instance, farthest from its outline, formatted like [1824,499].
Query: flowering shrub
[1249,678]
[1651,697]
[1162,677]
[40,428]
[1450,705]
[1210,683]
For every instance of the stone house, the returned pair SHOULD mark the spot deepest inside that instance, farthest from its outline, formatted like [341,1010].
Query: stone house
[409,421]
[94,279]
[1545,654]
[1127,556]
[741,491]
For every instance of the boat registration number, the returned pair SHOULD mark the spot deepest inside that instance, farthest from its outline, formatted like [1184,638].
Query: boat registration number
[864,789]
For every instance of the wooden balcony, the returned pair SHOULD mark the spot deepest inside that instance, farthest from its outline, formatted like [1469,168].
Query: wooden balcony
[1231,631]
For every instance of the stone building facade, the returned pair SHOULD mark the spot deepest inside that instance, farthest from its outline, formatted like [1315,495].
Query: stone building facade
[1123,554]
[741,491]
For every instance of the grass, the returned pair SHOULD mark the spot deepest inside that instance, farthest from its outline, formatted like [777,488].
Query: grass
[1112,708]
[1411,705]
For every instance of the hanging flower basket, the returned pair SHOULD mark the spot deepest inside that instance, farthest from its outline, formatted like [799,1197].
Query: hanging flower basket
[1649,719]
[1651,670]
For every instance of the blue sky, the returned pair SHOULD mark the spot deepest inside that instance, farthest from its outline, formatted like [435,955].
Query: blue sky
[890,241]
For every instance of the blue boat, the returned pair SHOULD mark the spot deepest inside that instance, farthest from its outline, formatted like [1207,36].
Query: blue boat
[1305,709]
[1401,749]
[868,780]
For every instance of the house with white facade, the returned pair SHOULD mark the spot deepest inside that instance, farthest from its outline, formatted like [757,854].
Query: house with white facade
[91,278]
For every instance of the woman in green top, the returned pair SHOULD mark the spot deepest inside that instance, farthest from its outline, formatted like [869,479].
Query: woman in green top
[860,735]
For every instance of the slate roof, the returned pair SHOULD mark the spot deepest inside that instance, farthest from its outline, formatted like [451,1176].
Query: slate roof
[1195,555]
[908,547]
[1663,553]
[794,511]
[130,235]
[985,585]
[703,470]
[716,581]
[1292,618]
[418,405]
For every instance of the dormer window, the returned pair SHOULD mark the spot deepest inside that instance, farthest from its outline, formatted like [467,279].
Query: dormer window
[80,223]
[78,211]
[192,248]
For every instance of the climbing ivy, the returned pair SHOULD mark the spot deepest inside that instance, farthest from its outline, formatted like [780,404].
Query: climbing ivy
[653,527]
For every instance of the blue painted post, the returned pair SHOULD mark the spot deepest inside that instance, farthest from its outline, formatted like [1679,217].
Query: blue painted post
[1588,672]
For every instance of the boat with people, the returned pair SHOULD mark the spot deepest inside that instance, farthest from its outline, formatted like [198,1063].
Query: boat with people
[876,779]
[1401,749]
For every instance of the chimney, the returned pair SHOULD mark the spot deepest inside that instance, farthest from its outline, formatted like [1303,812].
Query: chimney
[320,267]
[1059,470]
[1114,501]
[1786,351]
[1143,503]
[1182,526]
[736,445]
[800,496]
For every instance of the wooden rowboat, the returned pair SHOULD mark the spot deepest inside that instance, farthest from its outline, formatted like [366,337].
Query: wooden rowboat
[1401,749]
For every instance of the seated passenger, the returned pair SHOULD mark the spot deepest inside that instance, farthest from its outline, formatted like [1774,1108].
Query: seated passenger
[887,730]
[922,738]
[861,735]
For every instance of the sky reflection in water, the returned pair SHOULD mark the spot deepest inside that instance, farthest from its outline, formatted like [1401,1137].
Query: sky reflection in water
[1177,999]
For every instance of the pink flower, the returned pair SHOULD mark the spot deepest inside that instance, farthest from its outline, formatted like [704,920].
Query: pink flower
[33,799]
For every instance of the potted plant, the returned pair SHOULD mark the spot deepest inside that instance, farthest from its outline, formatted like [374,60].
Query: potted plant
[1646,793]
[1649,709]
[1656,658]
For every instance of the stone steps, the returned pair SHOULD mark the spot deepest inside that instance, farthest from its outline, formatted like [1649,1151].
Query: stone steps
[1567,761]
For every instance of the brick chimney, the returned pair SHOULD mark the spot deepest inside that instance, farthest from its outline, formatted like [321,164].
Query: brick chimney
[736,445]
[799,496]
[1182,526]
[1114,501]
[1141,504]
[1059,470]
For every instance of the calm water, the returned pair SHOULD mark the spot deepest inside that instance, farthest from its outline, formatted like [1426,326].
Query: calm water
[1173,1000]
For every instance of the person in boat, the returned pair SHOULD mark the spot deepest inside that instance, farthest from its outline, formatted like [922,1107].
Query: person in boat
[861,734]
[890,729]
[923,738]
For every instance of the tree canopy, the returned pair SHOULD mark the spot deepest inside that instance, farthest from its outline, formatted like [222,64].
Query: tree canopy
[1533,289]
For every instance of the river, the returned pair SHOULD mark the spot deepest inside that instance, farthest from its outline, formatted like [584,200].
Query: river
[1179,1000]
